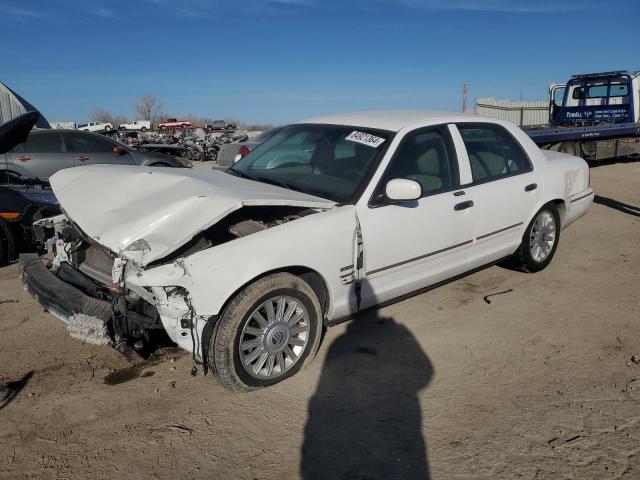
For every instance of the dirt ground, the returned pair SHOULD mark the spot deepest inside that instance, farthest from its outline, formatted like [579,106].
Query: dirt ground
[539,384]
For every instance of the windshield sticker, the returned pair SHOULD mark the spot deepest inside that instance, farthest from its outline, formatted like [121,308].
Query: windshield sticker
[365,139]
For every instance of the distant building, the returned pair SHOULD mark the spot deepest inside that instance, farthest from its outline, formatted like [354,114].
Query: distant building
[12,105]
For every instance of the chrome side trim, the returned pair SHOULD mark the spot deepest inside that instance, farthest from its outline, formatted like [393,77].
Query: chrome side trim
[415,259]
[499,231]
[580,198]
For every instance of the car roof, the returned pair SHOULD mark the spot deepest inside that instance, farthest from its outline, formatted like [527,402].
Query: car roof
[392,120]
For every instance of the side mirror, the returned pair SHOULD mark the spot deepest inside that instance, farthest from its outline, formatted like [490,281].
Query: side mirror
[402,190]
[119,150]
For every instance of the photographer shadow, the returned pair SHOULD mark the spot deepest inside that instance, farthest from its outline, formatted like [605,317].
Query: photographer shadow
[365,420]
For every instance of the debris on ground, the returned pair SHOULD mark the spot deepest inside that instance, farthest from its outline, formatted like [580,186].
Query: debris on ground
[486,297]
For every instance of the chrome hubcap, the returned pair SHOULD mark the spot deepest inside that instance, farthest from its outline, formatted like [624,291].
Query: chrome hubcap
[274,337]
[543,236]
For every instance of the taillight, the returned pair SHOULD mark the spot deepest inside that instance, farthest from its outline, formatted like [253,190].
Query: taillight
[244,150]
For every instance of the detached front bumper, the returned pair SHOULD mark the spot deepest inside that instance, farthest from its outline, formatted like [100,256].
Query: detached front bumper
[86,317]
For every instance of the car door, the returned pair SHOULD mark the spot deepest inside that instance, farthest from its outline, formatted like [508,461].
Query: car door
[504,189]
[92,149]
[42,155]
[410,245]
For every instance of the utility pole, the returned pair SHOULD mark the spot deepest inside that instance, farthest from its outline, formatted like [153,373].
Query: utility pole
[465,90]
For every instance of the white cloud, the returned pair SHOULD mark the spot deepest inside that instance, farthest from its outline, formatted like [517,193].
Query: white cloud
[507,6]
[18,13]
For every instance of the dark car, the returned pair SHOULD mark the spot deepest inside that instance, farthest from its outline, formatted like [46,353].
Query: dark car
[46,151]
[20,206]
[22,201]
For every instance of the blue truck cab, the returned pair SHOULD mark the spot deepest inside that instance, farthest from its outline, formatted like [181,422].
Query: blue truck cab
[594,115]
[609,97]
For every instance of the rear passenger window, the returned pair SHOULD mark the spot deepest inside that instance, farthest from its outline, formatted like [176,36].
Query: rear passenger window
[493,152]
[42,143]
[428,157]
[88,143]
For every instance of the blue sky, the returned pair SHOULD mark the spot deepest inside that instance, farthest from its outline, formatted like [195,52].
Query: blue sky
[281,60]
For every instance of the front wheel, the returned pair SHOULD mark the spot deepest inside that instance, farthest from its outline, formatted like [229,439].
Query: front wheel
[267,333]
[540,239]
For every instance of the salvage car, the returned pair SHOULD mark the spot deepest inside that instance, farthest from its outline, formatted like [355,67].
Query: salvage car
[245,268]
[141,125]
[20,205]
[229,152]
[47,151]
[95,127]
[21,202]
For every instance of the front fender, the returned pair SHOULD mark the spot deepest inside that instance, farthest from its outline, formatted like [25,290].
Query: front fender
[322,242]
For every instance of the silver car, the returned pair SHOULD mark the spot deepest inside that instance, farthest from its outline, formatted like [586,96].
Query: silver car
[228,151]
[47,151]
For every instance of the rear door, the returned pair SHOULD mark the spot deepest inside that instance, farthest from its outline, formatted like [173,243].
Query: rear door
[42,155]
[92,149]
[504,190]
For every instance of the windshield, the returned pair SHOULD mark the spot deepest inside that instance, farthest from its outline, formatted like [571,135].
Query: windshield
[329,161]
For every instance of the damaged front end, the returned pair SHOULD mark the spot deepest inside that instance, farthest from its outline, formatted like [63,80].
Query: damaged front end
[83,284]
[97,292]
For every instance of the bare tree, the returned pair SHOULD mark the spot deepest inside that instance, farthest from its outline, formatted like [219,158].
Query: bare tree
[148,108]
[103,116]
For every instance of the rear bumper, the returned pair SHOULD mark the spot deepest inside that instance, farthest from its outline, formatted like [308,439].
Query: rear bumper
[577,205]
[56,296]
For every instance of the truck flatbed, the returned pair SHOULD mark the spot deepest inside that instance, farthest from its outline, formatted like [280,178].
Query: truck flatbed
[558,133]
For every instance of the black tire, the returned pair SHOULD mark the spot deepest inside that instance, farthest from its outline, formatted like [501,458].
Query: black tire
[524,256]
[568,147]
[143,129]
[7,244]
[223,355]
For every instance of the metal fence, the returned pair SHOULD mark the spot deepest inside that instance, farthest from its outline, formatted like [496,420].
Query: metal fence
[522,113]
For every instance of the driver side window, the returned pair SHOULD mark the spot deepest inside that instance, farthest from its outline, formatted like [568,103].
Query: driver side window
[427,156]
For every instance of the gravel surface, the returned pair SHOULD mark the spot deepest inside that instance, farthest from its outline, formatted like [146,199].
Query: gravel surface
[542,383]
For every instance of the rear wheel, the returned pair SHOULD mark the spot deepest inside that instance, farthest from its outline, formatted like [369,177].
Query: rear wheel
[540,239]
[267,333]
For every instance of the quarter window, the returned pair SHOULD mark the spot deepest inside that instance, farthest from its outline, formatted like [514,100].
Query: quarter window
[493,152]
[428,157]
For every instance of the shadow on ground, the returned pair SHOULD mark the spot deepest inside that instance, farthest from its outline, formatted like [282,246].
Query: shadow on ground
[365,420]
[9,391]
[616,205]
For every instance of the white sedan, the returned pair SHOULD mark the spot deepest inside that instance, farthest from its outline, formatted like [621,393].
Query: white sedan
[330,216]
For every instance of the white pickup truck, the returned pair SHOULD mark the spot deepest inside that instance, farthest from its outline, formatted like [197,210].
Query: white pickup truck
[142,125]
[95,127]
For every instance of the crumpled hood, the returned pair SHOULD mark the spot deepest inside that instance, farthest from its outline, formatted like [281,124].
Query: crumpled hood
[144,213]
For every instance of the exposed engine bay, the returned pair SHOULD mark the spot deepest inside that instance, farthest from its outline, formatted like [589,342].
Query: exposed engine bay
[138,314]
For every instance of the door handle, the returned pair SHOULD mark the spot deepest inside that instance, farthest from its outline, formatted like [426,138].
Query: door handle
[531,187]
[23,158]
[463,205]
[459,193]
[82,158]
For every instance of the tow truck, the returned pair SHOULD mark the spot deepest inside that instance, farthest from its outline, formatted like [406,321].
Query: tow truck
[595,116]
